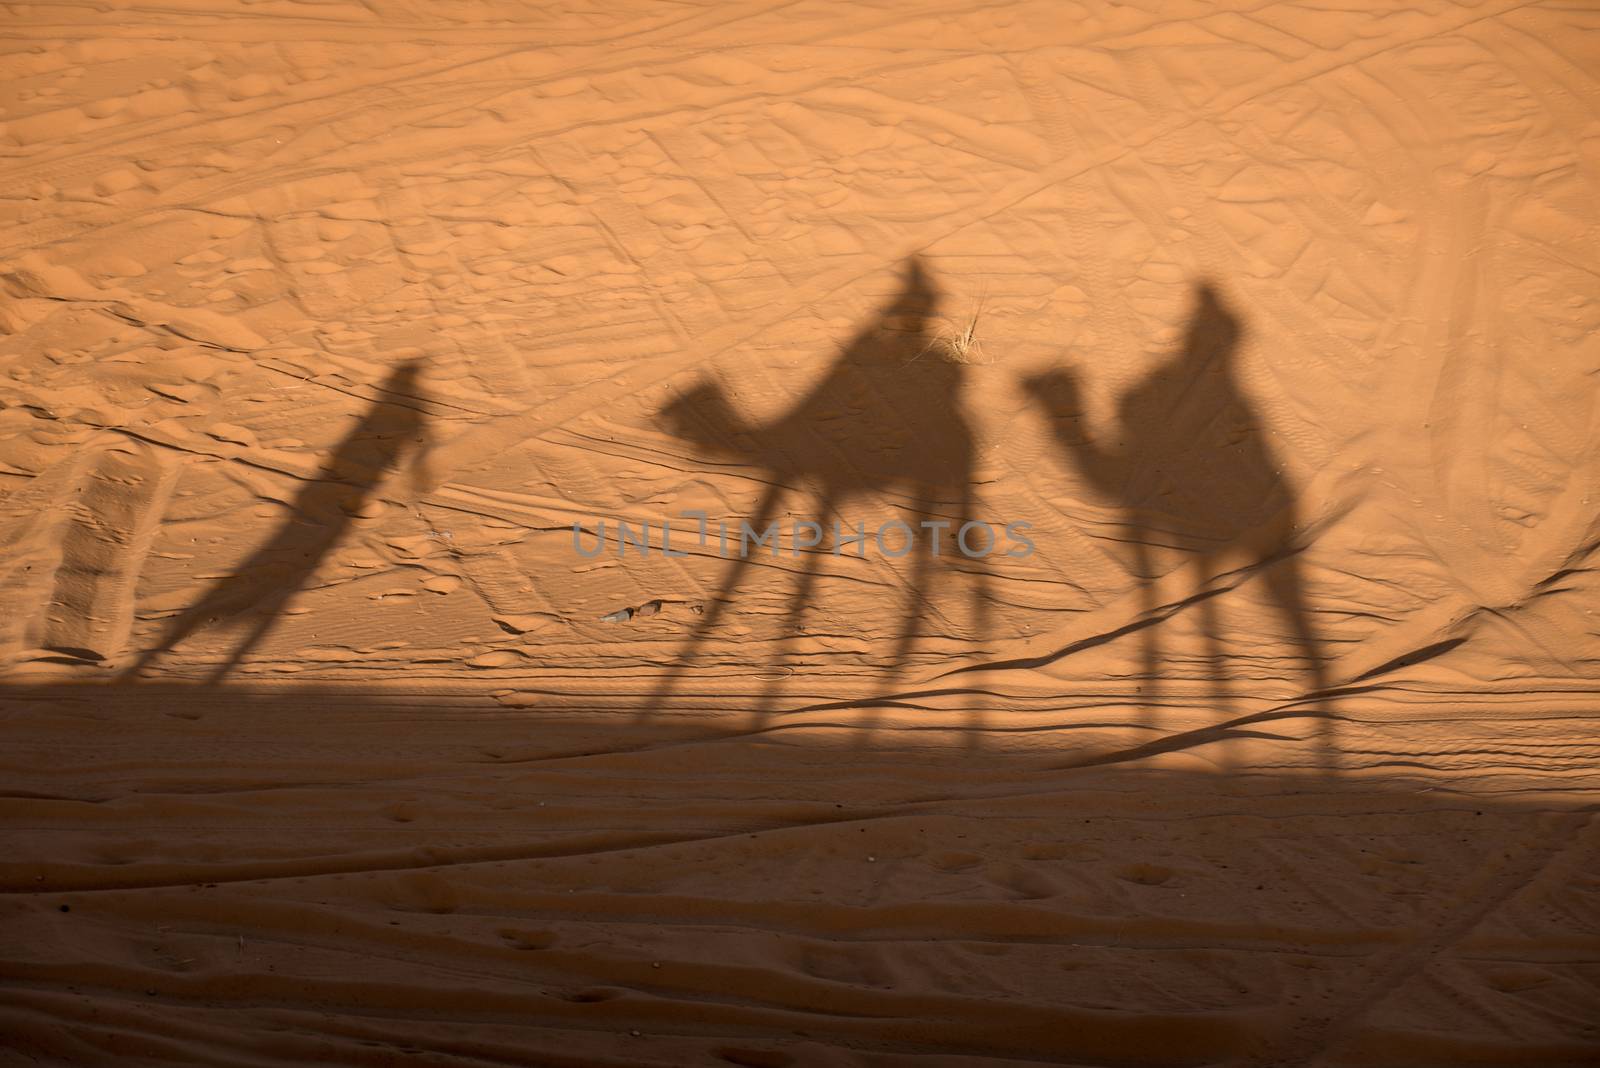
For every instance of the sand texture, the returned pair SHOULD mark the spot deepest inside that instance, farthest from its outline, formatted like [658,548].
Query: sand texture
[1265,339]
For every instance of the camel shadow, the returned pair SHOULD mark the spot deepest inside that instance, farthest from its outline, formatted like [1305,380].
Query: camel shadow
[885,423]
[254,595]
[1193,477]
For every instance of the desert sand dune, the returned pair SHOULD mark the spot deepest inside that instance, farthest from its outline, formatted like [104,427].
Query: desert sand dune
[330,332]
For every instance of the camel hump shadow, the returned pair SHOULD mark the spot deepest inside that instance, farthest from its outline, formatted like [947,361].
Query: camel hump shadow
[319,515]
[886,421]
[1189,468]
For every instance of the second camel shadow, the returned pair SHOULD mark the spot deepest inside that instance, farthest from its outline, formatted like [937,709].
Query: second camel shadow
[1189,470]
[886,422]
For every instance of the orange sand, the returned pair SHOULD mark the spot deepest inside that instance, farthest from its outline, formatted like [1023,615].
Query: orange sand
[322,324]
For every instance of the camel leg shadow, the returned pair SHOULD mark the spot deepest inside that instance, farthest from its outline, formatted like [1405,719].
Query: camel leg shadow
[926,575]
[684,659]
[1286,587]
[1150,688]
[793,625]
[1215,656]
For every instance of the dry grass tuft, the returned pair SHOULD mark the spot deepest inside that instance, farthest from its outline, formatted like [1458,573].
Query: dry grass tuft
[960,343]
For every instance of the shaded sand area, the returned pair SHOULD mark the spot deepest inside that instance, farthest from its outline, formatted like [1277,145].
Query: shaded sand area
[335,337]
[315,877]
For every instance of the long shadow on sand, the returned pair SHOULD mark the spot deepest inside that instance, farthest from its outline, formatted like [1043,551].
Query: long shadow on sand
[204,875]
[254,595]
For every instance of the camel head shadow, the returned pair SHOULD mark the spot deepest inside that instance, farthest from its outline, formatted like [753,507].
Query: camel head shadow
[703,417]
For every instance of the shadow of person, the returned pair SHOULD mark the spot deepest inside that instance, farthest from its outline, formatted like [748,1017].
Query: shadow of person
[258,590]
[1190,471]
[886,422]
